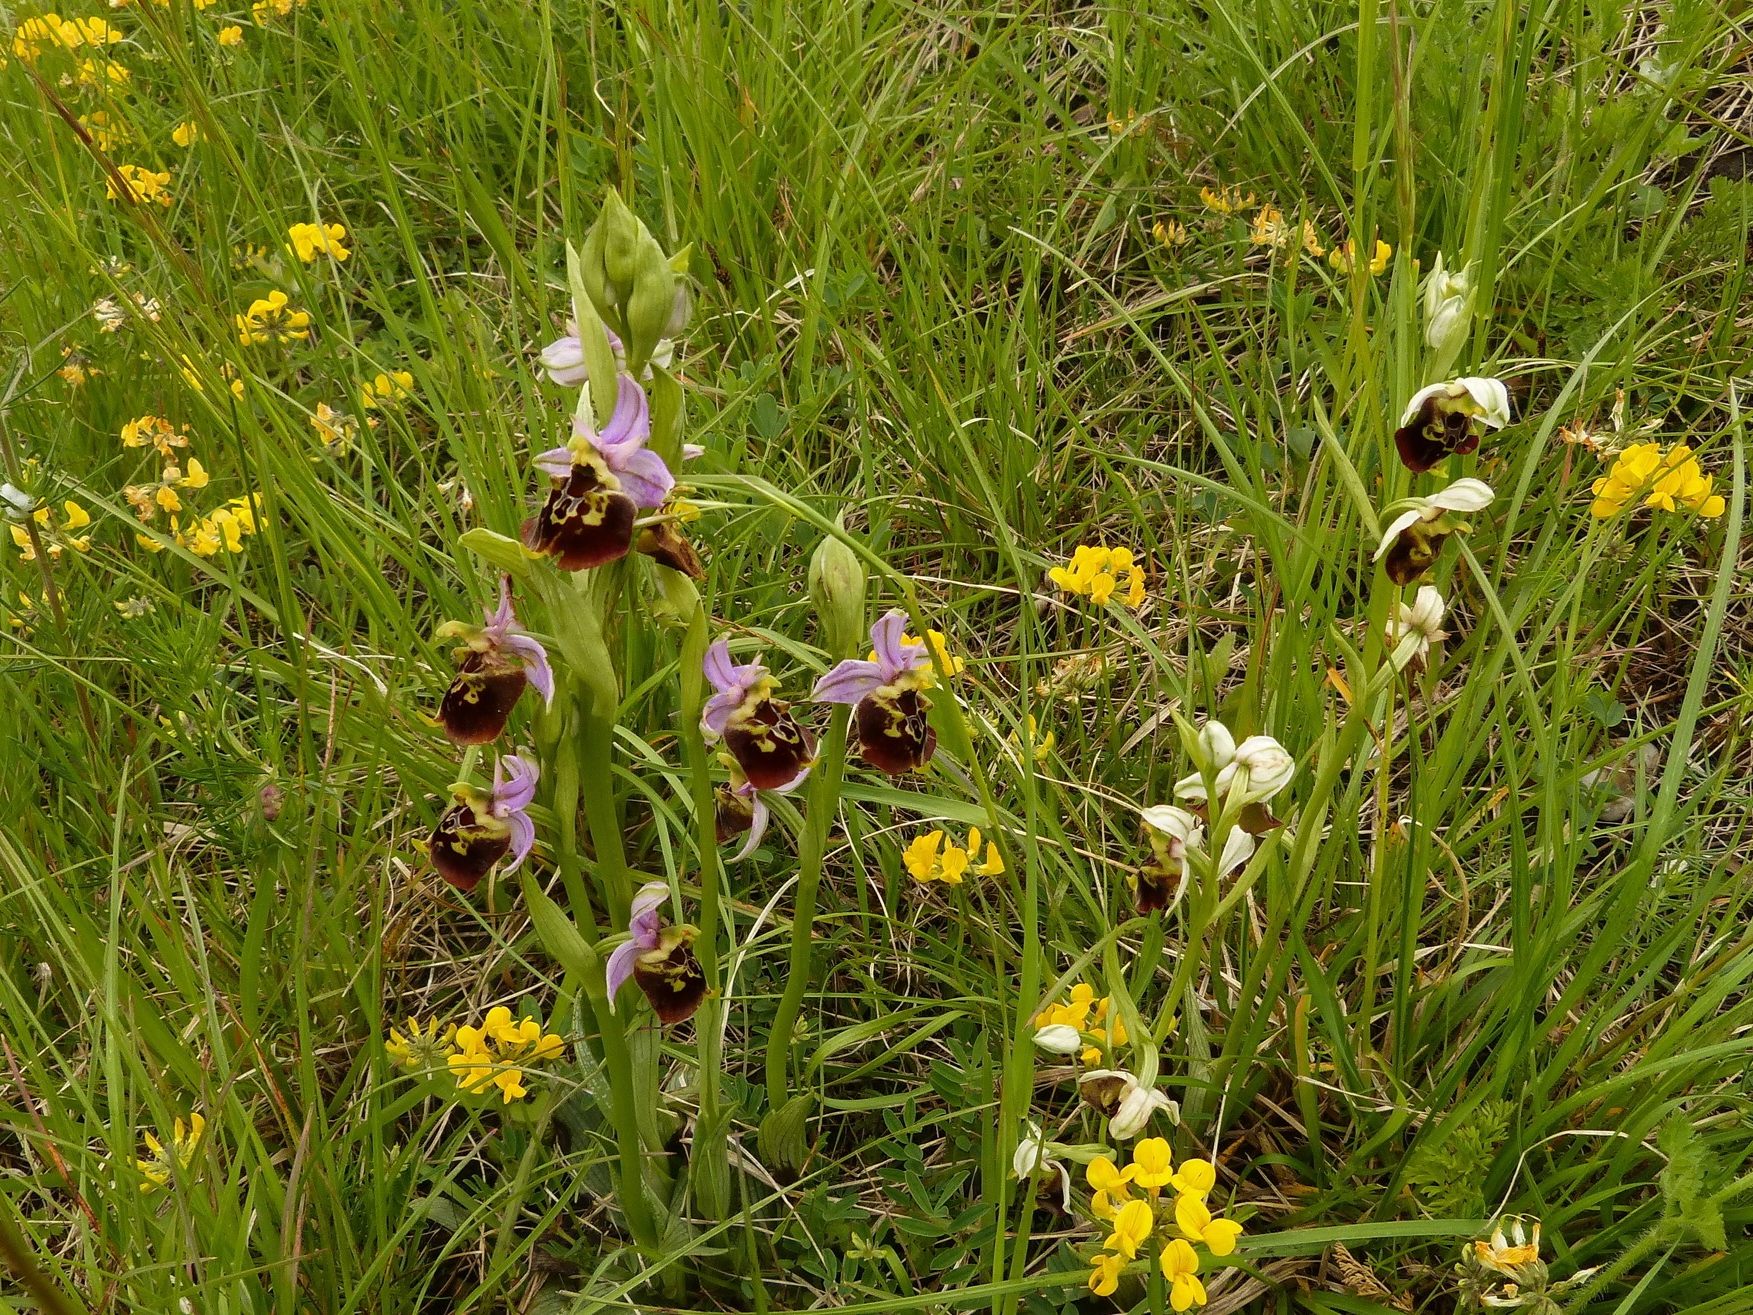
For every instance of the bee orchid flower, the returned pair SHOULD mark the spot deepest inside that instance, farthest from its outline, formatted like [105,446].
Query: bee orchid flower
[1173,833]
[742,811]
[659,958]
[1415,535]
[886,693]
[601,481]
[771,749]
[1450,417]
[483,826]
[494,664]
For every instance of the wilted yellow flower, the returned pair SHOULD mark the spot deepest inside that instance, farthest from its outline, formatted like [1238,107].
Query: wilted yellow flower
[421,1046]
[1341,257]
[270,319]
[156,431]
[1312,241]
[231,35]
[312,240]
[1269,228]
[1097,572]
[1666,482]
[186,133]
[1170,232]
[161,1160]
[334,428]
[141,184]
[1225,200]
[76,366]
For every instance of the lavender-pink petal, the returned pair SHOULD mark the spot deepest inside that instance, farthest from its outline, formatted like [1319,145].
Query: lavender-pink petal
[556,461]
[563,359]
[720,670]
[643,475]
[523,839]
[629,424]
[514,793]
[894,653]
[620,968]
[535,663]
[758,816]
[849,682]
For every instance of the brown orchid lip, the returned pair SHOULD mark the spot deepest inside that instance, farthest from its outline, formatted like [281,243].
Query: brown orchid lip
[769,745]
[463,850]
[1411,554]
[667,546]
[1154,887]
[582,524]
[893,733]
[673,982]
[478,703]
[732,814]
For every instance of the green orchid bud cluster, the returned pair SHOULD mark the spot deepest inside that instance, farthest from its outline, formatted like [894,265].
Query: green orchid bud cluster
[641,294]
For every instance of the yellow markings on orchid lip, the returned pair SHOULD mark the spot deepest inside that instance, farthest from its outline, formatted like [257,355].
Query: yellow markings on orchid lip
[1666,482]
[1097,573]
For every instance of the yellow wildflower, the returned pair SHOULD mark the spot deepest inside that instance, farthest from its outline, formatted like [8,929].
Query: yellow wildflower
[1666,482]
[1105,1273]
[1180,1265]
[141,184]
[270,319]
[392,387]
[231,35]
[928,858]
[161,1161]
[1043,743]
[1196,1222]
[55,537]
[1133,1223]
[94,32]
[154,430]
[76,366]
[1108,1028]
[1312,241]
[106,134]
[101,72]
[1225,200]
[312,240]
[1269,228]
[186,133]
[421,1047]
[993,864]
[1341,257]
[1170,232]
[1509,1255]
[334,428]
[1152,1168]
[1097,573]
[1195,1178]
[1110,1186]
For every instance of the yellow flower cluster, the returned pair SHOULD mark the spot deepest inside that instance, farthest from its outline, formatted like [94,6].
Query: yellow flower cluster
[157,431]
[312,240]
[497,1053]
[1096,1019]
[143,185]
[1097,572]
[231,35]
[55,536]
[106,133]
[161,1160]
[1272,230]
[271,319]
[335,429]
[148,500]
[51,31]
[396,386]
[221,530]
[1666,482]
[263,10]
[1225,200]
[1134,1220]
[928,859]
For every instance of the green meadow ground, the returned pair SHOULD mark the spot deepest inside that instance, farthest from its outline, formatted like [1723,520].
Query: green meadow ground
[1498,962]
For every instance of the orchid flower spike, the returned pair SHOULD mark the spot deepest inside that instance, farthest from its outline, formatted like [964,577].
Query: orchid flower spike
[771,749]
[494,663]
[886,692]
[659,958]
[482,826]
[1450,417]
[1413,538]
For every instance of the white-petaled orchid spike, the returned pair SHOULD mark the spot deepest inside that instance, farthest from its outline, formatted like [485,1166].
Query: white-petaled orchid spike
[1450,418]
[1059,1039]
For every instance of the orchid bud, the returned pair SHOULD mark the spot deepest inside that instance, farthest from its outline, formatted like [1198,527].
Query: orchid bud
[1448,313]
[650,300]
[1059,1039]
[837,584]
[1264,767]
[1136,1108]
[621,234]
[682,307]
[16,504]
[1216,746]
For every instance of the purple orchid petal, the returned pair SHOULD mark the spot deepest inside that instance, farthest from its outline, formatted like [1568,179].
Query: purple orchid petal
[513,793]
[563,359]
[849,682]
[523,839]
[715,716]
[619,969]
[895,653]
[556,461]
[758,816]
[630,423]
[502,619]
[646,918]
[535,663]
[691,451]
[643,475]
[720,670]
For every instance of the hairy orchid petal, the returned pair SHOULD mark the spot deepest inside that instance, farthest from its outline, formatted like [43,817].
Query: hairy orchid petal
[849,682]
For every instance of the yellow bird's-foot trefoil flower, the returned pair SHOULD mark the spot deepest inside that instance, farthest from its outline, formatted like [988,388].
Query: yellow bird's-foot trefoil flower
[162,1161]
[271,319]
[1665,482]
[1096,573]
[1180,1265]
[310,241]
